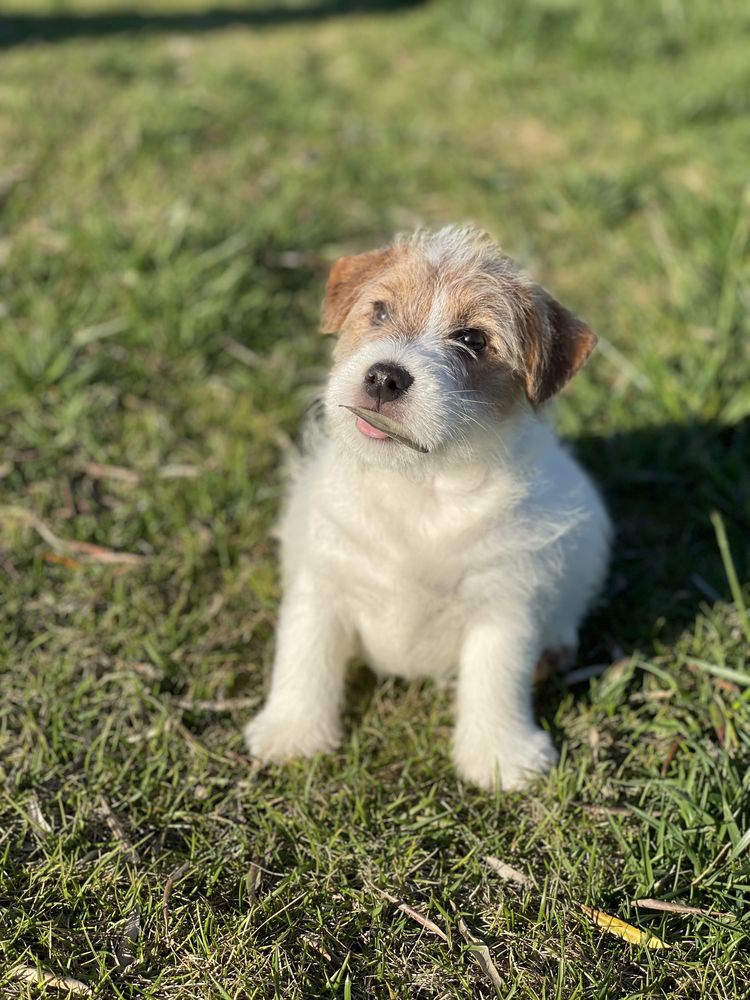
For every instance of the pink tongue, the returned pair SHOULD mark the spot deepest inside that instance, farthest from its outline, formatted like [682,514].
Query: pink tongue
[369,431]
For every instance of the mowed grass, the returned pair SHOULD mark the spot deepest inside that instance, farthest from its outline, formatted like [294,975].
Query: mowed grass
[174,184]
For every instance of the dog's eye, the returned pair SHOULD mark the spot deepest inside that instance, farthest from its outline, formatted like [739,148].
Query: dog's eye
[475,340]
[380,312]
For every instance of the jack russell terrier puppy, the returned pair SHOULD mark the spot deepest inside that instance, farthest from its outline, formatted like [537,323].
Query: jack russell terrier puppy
[438,527]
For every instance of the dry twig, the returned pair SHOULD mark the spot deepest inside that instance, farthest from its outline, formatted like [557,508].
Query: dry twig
[217,704]
[86,550]
[599,810]
[415,915]
[176,874]
[665,907]
[713,864]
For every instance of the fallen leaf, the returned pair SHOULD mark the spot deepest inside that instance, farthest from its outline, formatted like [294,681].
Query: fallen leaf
[95,470]
[180,470]
[37,818]
[99,554]
[127,948]
[60,560]
[481,955]
[613,925]
[28,974]
[507,872]
[315,942]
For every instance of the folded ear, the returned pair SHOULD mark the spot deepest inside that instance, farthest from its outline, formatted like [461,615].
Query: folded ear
[557,345]
[345,282]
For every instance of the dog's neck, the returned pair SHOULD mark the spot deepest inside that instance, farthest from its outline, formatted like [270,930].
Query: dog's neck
[504,455]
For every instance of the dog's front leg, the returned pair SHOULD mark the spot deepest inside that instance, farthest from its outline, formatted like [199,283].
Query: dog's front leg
[302,712]
[497,741]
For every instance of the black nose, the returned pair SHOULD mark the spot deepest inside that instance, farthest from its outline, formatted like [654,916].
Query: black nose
[385,381]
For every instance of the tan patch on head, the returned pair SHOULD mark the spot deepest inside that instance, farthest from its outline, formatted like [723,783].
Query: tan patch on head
[348,277]
[399,279]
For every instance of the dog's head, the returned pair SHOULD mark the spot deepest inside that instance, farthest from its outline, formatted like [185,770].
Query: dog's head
[441,339]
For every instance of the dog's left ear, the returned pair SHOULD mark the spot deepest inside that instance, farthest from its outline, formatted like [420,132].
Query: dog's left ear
[348,276]
[557,345]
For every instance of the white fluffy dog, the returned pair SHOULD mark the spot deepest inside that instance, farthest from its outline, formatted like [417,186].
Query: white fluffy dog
[438,527]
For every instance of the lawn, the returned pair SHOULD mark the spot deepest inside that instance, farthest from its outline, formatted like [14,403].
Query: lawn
[175,181]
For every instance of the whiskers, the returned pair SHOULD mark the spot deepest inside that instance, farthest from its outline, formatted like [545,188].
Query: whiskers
[473,395]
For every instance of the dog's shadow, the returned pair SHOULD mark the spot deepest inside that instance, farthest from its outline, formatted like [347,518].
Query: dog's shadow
[661,485]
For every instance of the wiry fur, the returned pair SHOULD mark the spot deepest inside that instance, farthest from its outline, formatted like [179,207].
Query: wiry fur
[475,558]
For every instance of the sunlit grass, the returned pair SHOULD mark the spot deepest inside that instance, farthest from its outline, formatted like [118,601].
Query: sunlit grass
[173,190]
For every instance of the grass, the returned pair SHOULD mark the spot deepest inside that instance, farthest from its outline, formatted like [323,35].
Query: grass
[175,183]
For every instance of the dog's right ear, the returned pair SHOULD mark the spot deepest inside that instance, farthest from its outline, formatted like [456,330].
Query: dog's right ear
[348,276]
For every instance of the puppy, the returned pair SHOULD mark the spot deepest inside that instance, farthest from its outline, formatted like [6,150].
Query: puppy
[438,527]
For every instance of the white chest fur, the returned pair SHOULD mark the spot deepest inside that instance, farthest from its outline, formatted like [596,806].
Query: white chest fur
[397,556]
[409,564]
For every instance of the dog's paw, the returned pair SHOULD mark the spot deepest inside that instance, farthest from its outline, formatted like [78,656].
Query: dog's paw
[274,736]
[505,763]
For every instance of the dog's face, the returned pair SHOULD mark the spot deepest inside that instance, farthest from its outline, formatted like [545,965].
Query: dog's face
[441,337]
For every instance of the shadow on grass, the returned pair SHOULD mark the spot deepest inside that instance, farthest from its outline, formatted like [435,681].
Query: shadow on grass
[20,28]
[661,484]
